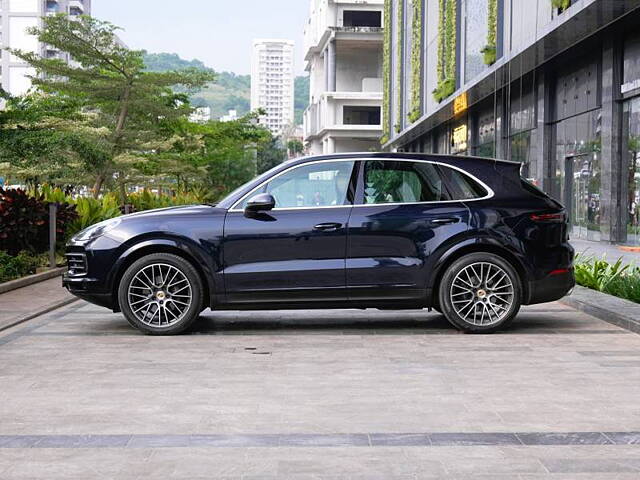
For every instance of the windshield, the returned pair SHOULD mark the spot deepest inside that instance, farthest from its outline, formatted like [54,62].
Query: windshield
[258,179]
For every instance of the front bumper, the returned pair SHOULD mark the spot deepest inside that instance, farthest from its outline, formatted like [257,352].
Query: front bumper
[90,266]
[86,289]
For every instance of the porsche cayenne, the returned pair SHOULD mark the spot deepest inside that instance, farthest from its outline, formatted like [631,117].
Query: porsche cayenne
[465,236]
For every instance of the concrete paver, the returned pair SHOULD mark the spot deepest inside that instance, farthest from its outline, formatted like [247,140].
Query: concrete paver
[23,302]
[320,394]
[605,250]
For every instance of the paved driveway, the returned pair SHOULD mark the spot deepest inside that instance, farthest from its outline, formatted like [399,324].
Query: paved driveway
[328,394]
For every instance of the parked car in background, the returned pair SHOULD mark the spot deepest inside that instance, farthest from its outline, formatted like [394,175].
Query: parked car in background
[465,236]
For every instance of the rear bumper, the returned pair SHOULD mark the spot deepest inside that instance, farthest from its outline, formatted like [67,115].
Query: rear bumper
[551,288]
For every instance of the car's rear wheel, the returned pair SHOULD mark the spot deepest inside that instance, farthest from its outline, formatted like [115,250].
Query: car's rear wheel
[480,293]
[161,294]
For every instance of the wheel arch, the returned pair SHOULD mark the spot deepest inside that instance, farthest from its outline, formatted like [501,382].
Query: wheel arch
[158,246]
[452,255]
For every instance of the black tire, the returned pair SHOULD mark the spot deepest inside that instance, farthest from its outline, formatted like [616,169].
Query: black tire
[500,312]
[182,319]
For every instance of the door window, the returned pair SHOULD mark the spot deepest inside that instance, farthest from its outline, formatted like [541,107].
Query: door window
[315,185]
[402,182]
[387,181]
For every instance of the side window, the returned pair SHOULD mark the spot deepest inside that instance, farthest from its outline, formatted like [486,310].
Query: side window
[462,186]
[387,181]
[315,185]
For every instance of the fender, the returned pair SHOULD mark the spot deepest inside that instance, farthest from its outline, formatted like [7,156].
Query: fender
[477,244]
[205,260]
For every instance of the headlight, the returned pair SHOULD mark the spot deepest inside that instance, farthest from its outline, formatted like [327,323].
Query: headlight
[97,230]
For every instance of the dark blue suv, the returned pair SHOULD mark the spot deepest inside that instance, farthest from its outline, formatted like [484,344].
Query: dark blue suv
[465,236]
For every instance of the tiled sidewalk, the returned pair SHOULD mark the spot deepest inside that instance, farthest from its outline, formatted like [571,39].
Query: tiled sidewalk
[610,252]
[25,302]
[347,394]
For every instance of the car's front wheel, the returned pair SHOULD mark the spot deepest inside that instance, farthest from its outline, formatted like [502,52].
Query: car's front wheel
[480,293]
[161,294]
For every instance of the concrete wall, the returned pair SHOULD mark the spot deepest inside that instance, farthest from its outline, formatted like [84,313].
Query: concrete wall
[355,145]
[354,64]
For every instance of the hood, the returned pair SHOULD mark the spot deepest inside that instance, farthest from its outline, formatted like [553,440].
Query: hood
[180,210]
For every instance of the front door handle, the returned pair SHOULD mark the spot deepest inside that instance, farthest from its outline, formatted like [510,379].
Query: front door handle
[444,221]
[327,227]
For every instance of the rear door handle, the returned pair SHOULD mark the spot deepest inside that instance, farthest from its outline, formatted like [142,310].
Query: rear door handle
[444,221]
[327,227]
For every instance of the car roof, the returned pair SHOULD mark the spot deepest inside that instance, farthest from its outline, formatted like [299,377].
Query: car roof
[437,157]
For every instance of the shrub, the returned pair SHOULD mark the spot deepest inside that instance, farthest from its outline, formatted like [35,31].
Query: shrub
[614,279]
[24,222]
[444,89]
[626,285]
[92,210]
[24,218]
[597,274]
[489,54]
[24,263]
[561,4]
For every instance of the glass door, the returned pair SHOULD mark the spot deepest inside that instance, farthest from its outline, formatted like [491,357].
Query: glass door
[631,181]
[582,195]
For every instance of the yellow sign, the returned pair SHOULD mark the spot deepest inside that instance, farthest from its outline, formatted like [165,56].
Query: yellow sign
[459,139]
[460,104]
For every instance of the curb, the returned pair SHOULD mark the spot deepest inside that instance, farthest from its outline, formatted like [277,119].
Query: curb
[30,316]
[614,310]
[31,279]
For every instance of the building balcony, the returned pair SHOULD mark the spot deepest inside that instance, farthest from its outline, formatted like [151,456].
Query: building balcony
[322,24]
[356,29]
[346,113]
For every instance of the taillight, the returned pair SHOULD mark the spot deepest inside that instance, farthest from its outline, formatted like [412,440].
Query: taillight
[559,271]
[548,217]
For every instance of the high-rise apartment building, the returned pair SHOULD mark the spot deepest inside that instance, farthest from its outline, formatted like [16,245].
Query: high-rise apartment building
[16,17]
[343,54]
[272,82]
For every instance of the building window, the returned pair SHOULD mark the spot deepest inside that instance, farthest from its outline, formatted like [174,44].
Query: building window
[361,18]
[476,30]
[486,136]
[352,115]
[522,126]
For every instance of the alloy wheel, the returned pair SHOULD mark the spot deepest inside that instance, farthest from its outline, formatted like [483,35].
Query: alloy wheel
[160,295]
[482,294]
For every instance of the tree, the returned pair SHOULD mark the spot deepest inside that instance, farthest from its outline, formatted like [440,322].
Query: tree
[301,89]
[214,156]
[295,147]
[270,154]
[130,105]
[47,138]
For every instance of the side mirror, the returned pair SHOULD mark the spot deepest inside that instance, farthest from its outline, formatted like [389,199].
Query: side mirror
[260,203]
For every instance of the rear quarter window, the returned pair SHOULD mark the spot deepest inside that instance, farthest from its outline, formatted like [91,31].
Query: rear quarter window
[461,185]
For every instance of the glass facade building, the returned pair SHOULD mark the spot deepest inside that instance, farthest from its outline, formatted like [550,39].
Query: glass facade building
[556,90]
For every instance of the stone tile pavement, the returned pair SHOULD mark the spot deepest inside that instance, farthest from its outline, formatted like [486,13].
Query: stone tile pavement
[23,303]
[319,394]
[610,252]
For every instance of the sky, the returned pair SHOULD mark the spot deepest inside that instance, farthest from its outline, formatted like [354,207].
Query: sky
[218,32]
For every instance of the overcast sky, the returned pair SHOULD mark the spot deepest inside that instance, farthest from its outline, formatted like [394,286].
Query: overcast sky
[218,32]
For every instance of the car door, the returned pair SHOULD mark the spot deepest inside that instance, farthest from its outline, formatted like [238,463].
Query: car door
[404,215]
[296,251]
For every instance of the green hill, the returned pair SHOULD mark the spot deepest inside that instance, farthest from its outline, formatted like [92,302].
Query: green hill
[229,91]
